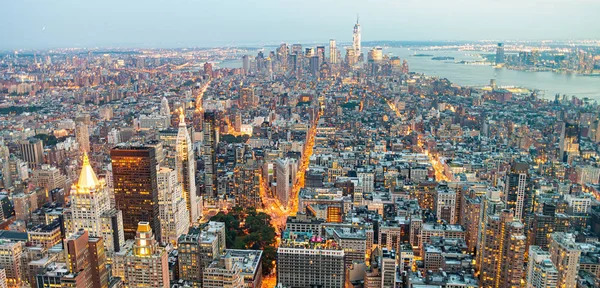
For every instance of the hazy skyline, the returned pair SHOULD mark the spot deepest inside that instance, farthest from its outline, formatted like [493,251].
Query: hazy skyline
[39,24]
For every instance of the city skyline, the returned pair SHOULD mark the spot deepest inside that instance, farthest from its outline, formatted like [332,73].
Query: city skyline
[33,24]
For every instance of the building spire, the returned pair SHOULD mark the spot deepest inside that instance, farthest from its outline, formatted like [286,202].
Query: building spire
[357,18]
[181,118]
[87,177]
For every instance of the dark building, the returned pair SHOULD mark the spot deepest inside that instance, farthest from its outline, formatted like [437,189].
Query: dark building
[209,153]
[500,59]
[135,186]
[517,193]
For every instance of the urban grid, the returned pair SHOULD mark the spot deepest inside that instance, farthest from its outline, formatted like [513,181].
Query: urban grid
[298,165]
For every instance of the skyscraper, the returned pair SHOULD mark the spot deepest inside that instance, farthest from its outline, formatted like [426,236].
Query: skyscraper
[147,263]
[209,153]
[283,174]
[197,250]
[185,165]
[503,252]
[90,199]
[246,64]
[86,256]
[569,141]
[301,263]
[135,186]
[356,39]
[82,133]
[164,107]
[174,216]
[332,52]
[541,272]
[517,193]
[500,54]
[564,253]
[32,151]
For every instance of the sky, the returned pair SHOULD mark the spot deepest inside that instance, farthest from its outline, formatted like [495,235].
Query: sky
[43,24]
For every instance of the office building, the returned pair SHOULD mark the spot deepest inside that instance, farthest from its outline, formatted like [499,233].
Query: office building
[147,263]
[500,59]
[82,135]
[224,272]
[32,151]
[301,263]
[503,252]
[90,199]
[135,186]
[185,165]
[517,193]
[541,272]
[564,253]
[86,256]
[209,153]
[569,141]
[196,251]
[247,186]
[173,213]
[332,52]
[10,260]
[164,107]
[356,41]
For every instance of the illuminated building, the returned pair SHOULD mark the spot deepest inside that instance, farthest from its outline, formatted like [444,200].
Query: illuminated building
[86,256]
[250,263]
[470,218]
[196,251]
[332,52]
[564,253]
[135,186]
[541,272]
[211,139]
[353,241]
[185,165]
[503,252]
[90,199]
[500,54]
[569,142]
[246,98]
[223,273]
[445,205]
[10,260]
[208,69]
[491,205]
[517,193]
[303,261]
[174,217]
[45,235]
[248,185]
[147,264]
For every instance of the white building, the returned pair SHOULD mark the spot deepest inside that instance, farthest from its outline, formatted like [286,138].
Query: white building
[173,213]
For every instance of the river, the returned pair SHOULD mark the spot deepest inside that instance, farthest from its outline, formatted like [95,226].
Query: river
[478,75]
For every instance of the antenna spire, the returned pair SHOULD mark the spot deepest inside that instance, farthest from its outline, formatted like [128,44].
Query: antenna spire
[356,18]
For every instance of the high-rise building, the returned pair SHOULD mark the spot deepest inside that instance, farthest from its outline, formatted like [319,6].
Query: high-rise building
[247,186]
[174,216]
[164,107]
[209,153]
[223,273]
[500,54]
[86,256]
[569,141]
[314,65]
[446,205]
[196,251]
[284,175]
[541,272]
[32,151]
[332,52]
[135,185]
[147,263]
[517,193]
[565,253]
[302,263]
[246,64]
[10,260]
[185,165]
[90,199]
[82,134]
[503,252]
[356,39]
